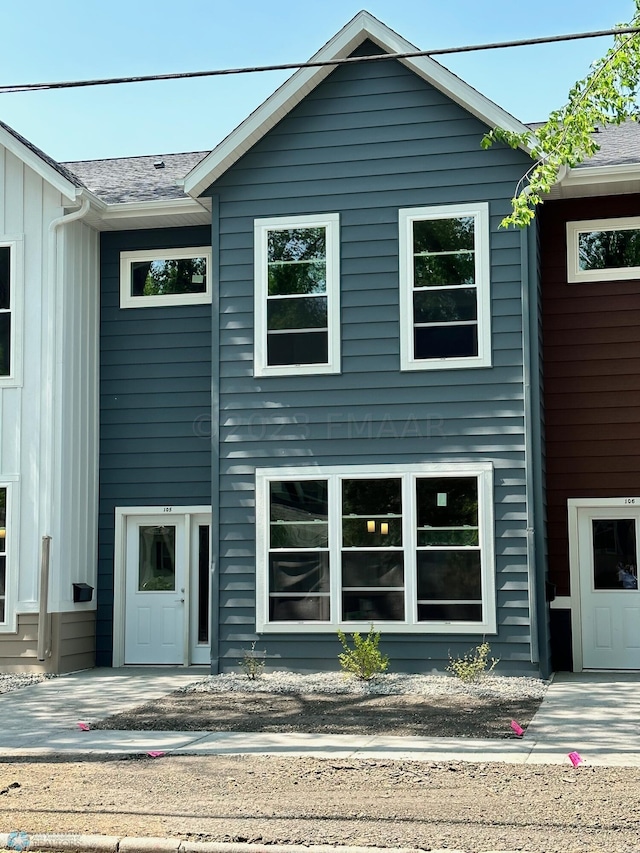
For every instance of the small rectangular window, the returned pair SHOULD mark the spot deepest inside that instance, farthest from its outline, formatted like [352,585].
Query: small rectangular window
[5,311]
[603,250]
[165,277]
[444,287]
[297,295]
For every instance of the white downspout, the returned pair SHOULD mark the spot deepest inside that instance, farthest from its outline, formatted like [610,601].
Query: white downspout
[50,362]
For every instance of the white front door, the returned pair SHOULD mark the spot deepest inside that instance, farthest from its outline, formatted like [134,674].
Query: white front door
[162,583]
[609,596]
[155,590]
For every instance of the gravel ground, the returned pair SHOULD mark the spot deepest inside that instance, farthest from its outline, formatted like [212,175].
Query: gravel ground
[16,681]
[384,685]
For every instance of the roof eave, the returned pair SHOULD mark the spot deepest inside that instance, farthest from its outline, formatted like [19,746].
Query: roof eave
[286,97]
[64,186]
[163,213]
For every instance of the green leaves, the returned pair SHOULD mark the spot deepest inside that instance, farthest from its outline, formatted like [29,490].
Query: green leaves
[607,95]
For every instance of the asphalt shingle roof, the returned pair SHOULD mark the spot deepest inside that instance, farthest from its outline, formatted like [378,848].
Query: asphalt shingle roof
[124,179]
[62,170]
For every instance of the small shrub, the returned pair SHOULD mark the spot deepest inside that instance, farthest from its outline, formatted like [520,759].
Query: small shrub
[364,660]
[252,664]
[474,664]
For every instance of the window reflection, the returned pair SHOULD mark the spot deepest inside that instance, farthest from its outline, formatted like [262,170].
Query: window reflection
[615,564]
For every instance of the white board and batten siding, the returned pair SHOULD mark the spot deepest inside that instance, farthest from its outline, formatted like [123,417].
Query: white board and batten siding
[48,413]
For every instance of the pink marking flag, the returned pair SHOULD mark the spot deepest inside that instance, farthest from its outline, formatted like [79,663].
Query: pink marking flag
[575,758]
[155,753]
[83,727]
[517,728]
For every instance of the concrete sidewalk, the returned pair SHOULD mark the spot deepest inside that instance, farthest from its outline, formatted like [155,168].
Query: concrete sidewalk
[593,714]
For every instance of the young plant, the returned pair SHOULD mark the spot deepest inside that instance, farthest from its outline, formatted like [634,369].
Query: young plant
[364,660]
[474,665]
[252,664]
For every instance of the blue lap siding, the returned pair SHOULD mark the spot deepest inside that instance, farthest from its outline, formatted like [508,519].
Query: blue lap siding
[368,141]
[155,404]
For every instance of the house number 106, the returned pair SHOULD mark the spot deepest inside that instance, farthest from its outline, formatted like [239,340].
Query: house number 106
[629,500]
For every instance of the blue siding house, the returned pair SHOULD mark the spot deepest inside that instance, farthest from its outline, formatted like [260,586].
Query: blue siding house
[331,407]
[320,380]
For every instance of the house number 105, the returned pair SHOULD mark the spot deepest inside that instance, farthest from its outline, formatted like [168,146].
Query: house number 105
[167,509]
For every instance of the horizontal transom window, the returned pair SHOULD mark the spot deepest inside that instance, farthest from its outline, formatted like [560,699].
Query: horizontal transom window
[165,277]
[603,250]
[410,549]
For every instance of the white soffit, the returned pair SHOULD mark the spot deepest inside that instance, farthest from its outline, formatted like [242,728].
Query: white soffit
[130,216]
[284,99]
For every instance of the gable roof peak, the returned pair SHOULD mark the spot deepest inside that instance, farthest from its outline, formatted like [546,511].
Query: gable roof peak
[361,27]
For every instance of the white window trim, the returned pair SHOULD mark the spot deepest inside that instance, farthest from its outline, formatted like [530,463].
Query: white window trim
[480,212]
[331,221]
[16,306]
[574,274]
[127,259]
[482,470]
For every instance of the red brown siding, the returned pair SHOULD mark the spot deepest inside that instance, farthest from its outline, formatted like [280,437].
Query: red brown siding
[591,351]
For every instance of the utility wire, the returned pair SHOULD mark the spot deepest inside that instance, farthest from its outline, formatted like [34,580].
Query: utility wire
[108,81]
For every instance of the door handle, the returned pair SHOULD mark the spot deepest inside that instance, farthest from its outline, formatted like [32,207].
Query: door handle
[179,600]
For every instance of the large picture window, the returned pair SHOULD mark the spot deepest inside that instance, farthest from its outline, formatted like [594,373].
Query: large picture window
[408,548]
[444,287]
[603,250]
[297,295]
[165,277]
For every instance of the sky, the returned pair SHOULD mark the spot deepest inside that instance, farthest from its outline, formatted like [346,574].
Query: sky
[44,41]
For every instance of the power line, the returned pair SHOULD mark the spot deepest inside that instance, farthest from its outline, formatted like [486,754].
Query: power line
[221,72]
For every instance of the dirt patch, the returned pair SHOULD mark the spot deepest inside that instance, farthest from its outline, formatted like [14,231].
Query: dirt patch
[441,716]
[274,800]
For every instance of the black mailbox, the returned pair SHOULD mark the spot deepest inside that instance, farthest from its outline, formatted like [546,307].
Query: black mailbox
[82,592]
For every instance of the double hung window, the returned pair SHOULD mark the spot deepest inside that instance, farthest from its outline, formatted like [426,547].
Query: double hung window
[165,277]
[297,310]
[11,303]
[6,297]
[603,250]
[445,309]
[410,548]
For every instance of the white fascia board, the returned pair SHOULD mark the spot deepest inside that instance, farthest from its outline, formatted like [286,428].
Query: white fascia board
[286,97]
[171,207]
[38,165]
[602,174]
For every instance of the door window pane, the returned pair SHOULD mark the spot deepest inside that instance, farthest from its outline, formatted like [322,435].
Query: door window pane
[615,564]
[157,562]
